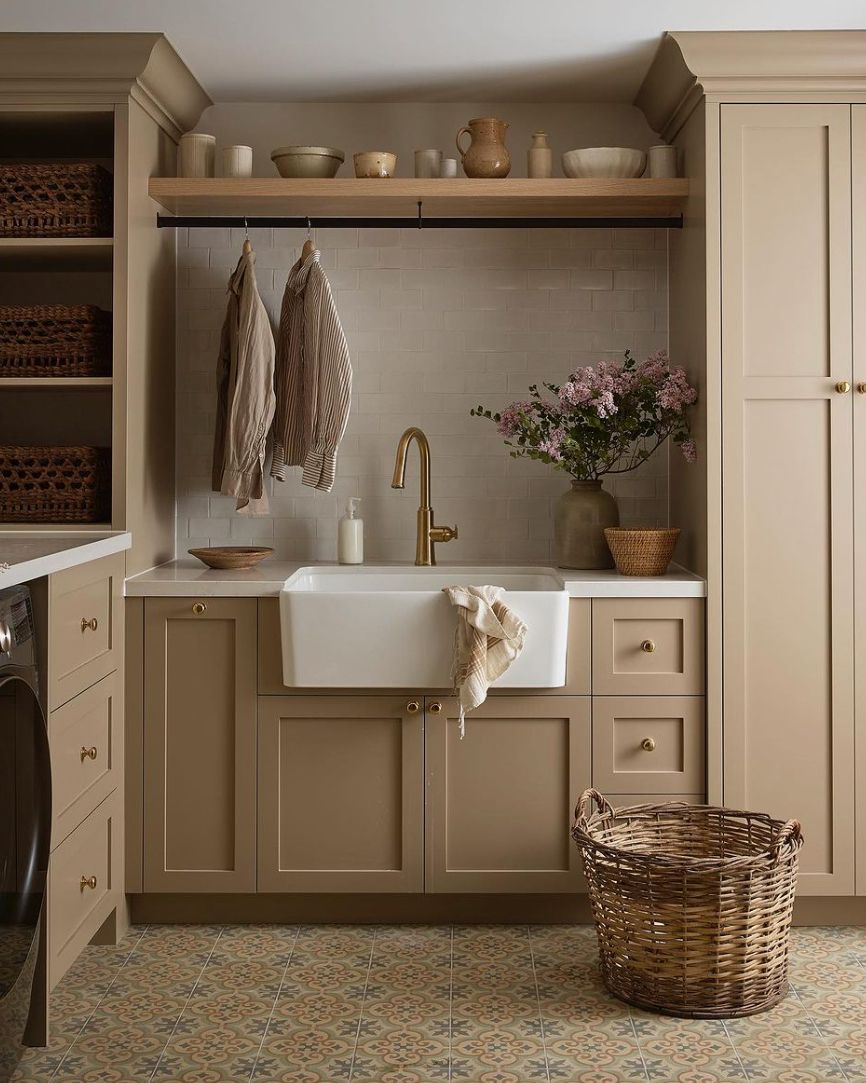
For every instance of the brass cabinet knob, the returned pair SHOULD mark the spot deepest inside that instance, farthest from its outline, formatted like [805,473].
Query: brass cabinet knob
[88,753]
[843,387]
[199,608]
[413,706]
[861,388]
[436,708]
[88,881]
[648,744]
[647,646]
[92,624]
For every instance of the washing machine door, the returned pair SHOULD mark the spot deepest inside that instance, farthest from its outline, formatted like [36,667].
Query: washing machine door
[25,835]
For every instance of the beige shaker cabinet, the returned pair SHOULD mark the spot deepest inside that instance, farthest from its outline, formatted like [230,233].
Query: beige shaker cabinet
[787,503]
[341,793]
[200,744]
[500,801]
[858,208]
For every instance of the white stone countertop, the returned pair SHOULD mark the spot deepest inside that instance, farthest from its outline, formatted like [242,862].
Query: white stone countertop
[30,554]
[187,578]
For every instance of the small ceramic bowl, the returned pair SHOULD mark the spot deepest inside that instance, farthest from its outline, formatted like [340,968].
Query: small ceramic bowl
[375,163]
[603,162]
[307,161]
[234,558]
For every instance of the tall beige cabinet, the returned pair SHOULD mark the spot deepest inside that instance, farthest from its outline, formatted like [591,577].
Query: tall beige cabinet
[772,130]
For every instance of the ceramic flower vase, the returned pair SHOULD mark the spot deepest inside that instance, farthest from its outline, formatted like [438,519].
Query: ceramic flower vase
[582,513]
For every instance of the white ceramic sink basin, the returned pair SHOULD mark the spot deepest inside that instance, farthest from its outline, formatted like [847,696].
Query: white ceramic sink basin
[392,627]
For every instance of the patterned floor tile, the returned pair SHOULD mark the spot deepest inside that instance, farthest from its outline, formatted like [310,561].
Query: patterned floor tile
[422,1004]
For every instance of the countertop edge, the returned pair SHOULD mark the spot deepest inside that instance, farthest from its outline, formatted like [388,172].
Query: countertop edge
[27,570]
[182,580]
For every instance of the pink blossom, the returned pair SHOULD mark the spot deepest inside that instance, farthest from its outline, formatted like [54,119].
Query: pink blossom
[689,450]
[509,421]
[676,393]
[604,404]
[552,445]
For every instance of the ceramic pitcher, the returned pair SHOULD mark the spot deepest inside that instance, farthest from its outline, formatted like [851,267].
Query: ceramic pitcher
[486,155]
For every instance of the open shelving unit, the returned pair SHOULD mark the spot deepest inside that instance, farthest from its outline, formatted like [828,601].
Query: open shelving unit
[505,200]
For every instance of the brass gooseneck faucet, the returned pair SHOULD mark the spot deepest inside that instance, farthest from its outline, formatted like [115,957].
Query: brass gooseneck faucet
[428,534]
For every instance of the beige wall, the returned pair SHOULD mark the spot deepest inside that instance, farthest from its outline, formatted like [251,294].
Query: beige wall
[436,321]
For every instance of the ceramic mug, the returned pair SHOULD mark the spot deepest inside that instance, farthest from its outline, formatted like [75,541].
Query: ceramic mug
[237,161]
[197,153]
[662,161]
[448,168]
[427,163]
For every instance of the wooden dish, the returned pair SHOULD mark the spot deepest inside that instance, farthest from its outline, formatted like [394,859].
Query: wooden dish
[234,558]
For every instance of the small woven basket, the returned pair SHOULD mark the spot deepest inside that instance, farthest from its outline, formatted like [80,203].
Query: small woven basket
[692,904]
[642,552]
[66,199]
[54,484]
[54,340]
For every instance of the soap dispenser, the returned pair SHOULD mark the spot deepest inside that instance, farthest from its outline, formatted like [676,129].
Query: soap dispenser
[350,535]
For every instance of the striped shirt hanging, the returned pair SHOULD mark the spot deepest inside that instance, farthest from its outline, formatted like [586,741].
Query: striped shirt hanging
[313,378]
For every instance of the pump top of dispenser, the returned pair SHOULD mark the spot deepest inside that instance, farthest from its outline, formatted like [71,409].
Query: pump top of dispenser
[352,507]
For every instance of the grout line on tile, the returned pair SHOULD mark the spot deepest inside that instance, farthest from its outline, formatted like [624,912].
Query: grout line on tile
[538,1002]
[186,1003]
[743,1069]
[274,1005]
[96,1005]
[361,1011]
[637,1042]
[451,1004]
[818,1030]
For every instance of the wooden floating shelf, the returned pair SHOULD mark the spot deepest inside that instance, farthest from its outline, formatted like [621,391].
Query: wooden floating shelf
[446,198]
[56,253]
[45,383]
[50,528]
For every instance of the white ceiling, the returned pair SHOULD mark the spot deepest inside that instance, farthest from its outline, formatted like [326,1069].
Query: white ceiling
[423,50]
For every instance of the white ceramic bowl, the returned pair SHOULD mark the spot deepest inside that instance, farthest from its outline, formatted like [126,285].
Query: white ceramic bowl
[307,161]
[375,163]
[603,162]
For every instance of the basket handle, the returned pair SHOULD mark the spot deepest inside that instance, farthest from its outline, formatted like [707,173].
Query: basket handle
[584,805]
[789,830]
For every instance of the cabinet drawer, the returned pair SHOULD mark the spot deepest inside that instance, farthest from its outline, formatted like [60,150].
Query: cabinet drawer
[84,735]
[648,744]
[648,646]
[75,909]
[84,608]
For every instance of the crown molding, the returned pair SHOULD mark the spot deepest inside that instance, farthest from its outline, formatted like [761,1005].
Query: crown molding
[101,69]
[750,66]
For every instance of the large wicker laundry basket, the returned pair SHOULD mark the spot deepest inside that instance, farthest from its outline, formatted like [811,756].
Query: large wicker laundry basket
[692,904]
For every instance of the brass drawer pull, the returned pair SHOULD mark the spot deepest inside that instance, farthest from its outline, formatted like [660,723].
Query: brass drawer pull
[88,881]
[413,706]
[648,744]
[88,753]
[199,608]
[648,646]
[861,388]
[843,387]
[92,624]
[436,708]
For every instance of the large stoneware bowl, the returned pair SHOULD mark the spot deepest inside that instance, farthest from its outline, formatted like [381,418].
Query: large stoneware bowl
[603,162]
[307,161]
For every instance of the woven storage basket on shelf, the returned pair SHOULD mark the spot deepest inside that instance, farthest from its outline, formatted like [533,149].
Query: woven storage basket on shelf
[66,199]
[54,484]
[641,552]
[55,340]
[692,904]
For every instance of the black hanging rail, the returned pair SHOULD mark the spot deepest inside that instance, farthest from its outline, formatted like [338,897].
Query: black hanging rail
[183,221]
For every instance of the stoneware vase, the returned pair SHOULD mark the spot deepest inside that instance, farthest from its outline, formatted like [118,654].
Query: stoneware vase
[486,156]
[582,513]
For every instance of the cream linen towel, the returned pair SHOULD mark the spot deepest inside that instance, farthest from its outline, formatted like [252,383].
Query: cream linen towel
[489,637]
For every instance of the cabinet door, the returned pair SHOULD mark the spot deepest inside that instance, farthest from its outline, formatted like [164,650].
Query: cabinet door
[858,207]
[500,801]
[787,476]
[200,744]
[341,793]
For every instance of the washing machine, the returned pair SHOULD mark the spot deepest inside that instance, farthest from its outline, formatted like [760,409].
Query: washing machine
[25,819]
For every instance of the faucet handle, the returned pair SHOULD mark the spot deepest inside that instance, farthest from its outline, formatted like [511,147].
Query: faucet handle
[443,533]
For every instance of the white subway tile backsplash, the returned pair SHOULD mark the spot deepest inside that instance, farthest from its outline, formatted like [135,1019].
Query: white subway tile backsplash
[437,321]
